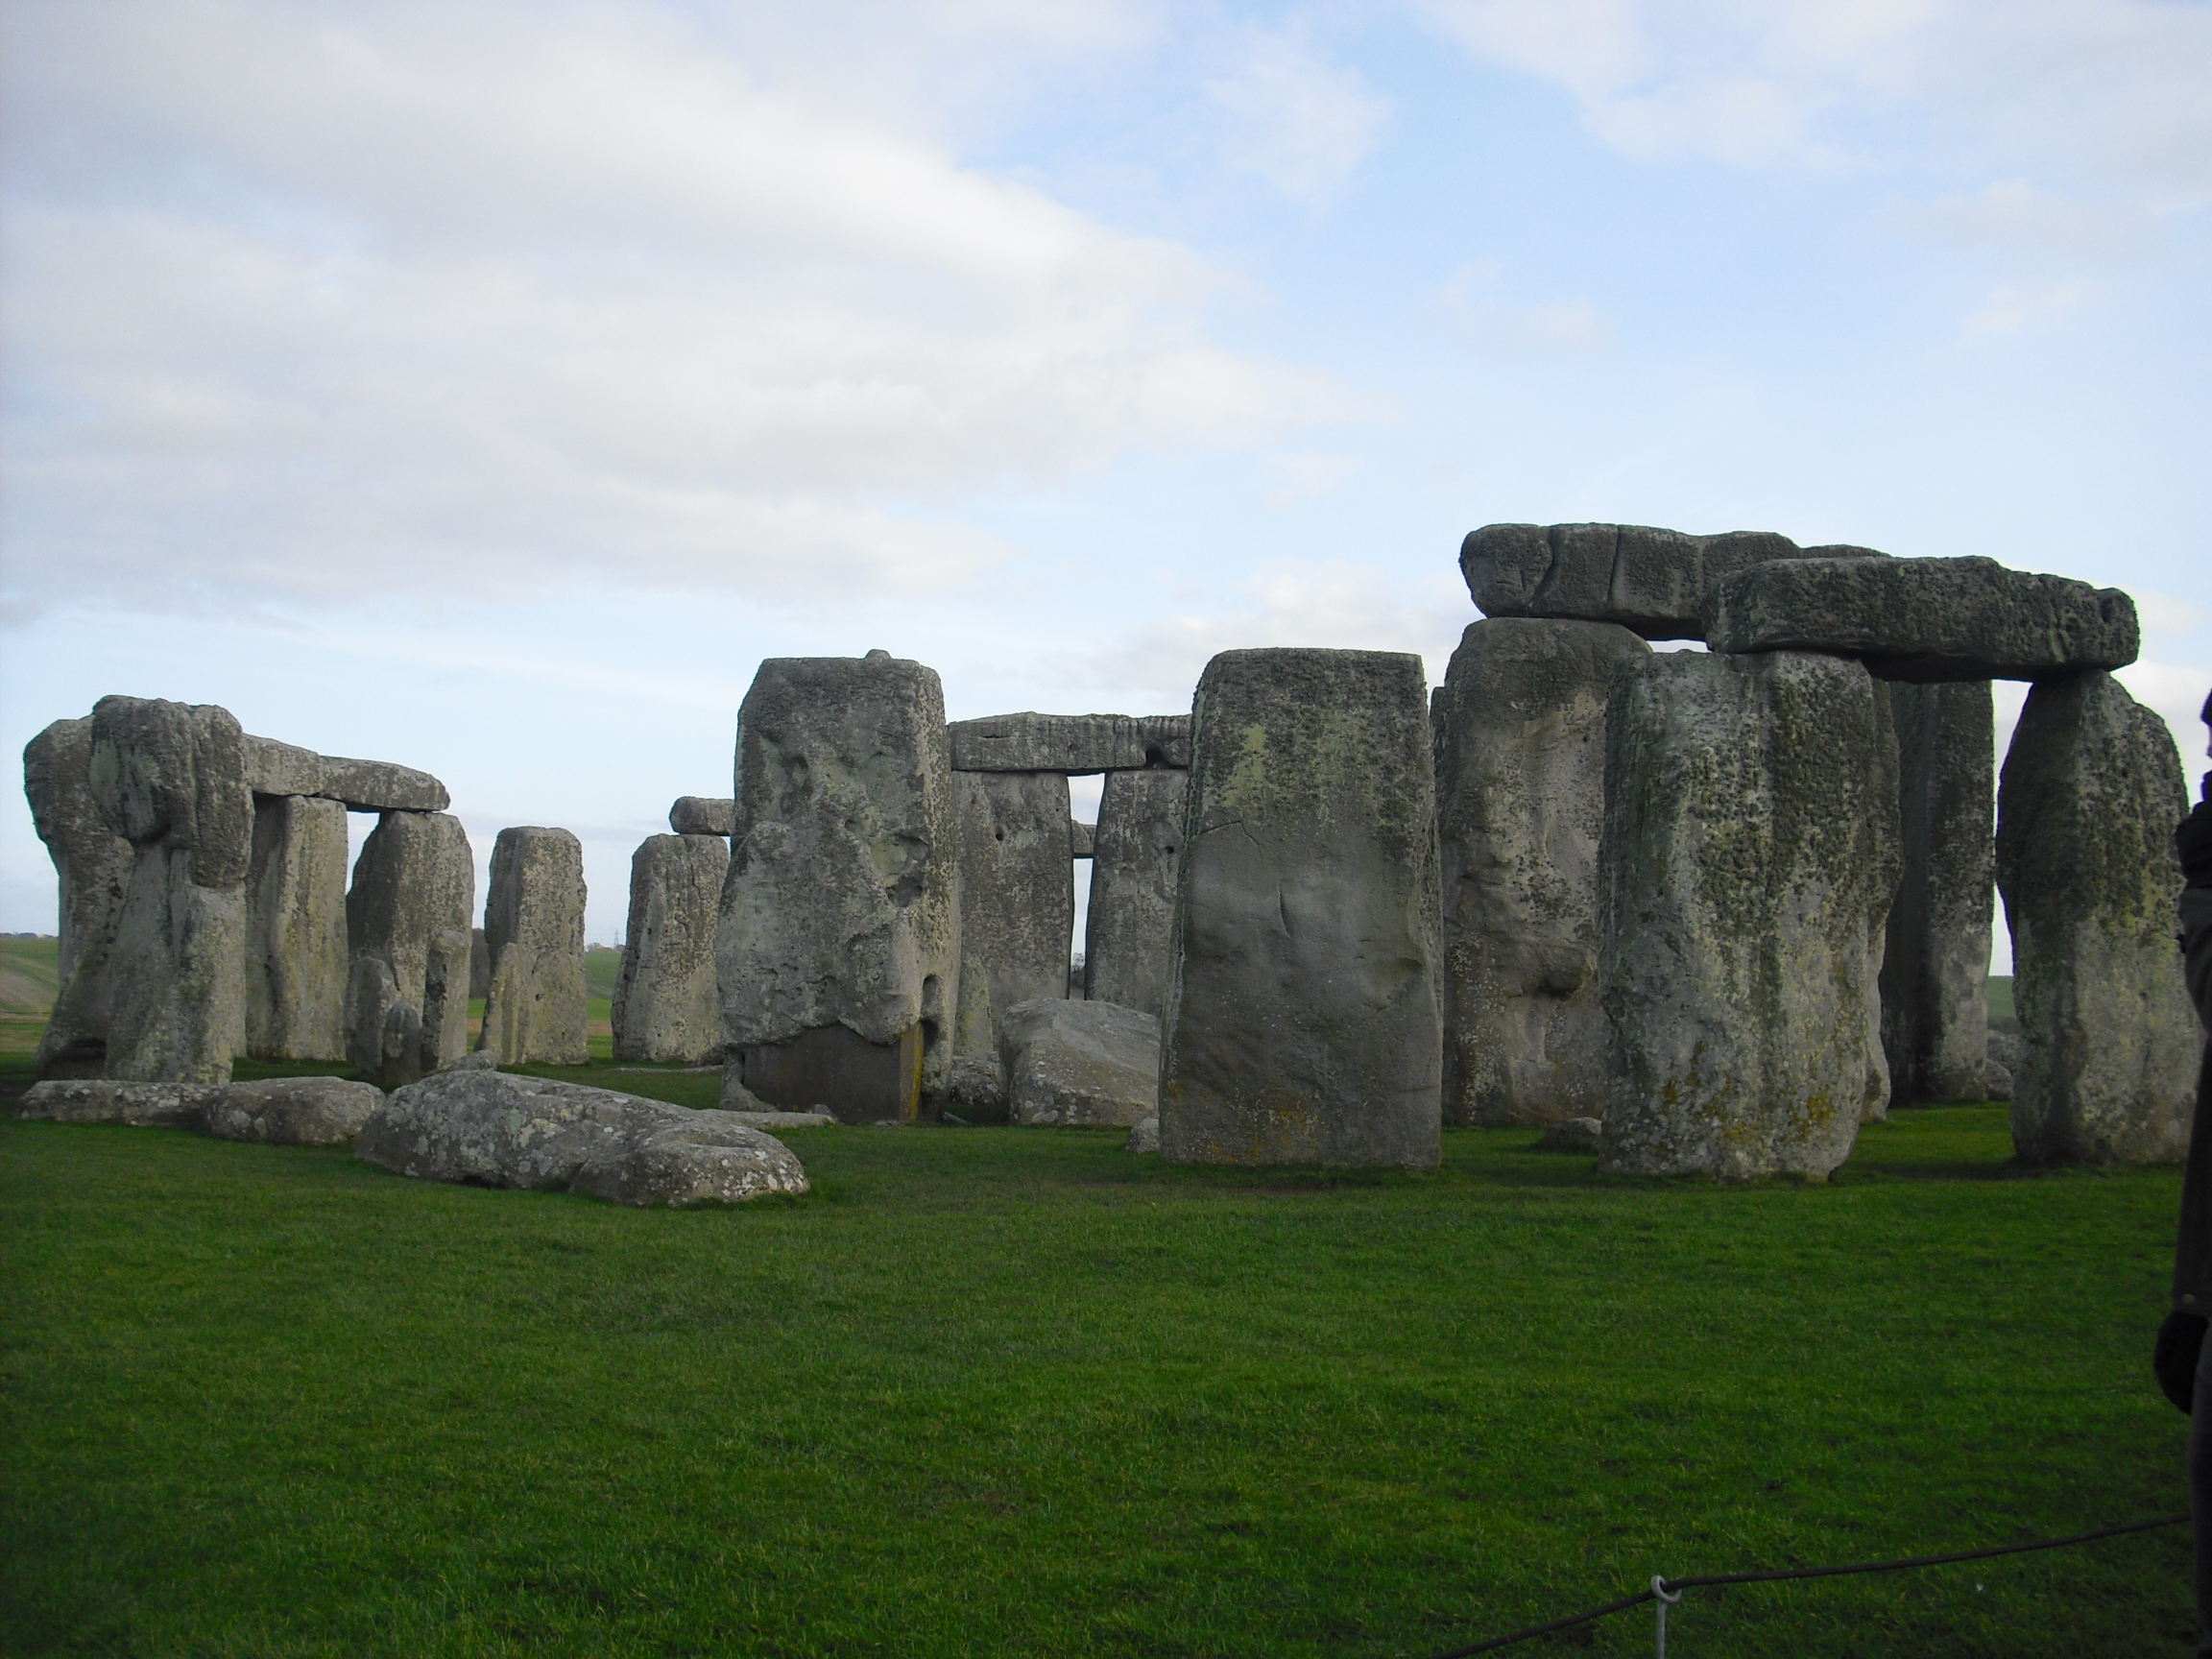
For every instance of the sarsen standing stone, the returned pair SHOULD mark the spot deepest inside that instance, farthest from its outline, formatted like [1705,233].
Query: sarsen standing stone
[534,927]
[1135,854]
[665,1006]
[296,957]
[413,897]
[92,866]
[1017,908]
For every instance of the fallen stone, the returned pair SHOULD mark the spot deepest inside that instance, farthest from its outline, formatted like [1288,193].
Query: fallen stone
[383,1029]
[1069,743]
[105,1100]
[379,787]
[533,927]
[292,1110]
[1016,906]
[665,1004]
[1144,1138]
[410,906]
[274,768]
[702,815]
[92,868]
[977,1080]
[1749,856]
[476,1060]
[296,957]
[1079,1063]
[771,1122]
[2091,791]
[1128,933]
[1520,729]
[1082,838]
[1571,1135]
[1304,1025]
[1927,619]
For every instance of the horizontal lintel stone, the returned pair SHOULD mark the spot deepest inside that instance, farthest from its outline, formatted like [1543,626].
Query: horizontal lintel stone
[274,768]
[704,815]
[1071,743]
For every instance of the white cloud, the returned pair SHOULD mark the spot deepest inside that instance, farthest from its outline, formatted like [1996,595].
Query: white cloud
[2015,214]
[1297,122]
[2012,306]
[1474,301]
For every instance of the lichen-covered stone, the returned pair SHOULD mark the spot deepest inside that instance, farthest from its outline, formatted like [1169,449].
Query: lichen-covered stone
[2090,794]
[92,868]
[274,768]
[665,1004]
[379,787]
[702,815]
[107,1100]
[292,1110]
[413,899]
[1303,1025]
[1936,967]
[1144,1138]
[1079,1063]
[841,910]
[534,927]
[1069,743]
[296,957]
[383,1029]
[1017,901]
[1749,855]
[1135,854]
[1927,619]
[1520,729]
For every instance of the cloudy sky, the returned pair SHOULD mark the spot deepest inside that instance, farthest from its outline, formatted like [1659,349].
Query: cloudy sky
[490,387]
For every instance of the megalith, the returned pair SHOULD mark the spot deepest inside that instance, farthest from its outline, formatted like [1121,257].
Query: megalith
[1745,872]
[296,957]
[1135,853]
[1520,732]
[1935,967]
[665,1006]
[2086,807]
[413,897]
[534,927]
[1304,1022]
[383,1031]
[1069,743]
[171,780]
[1017,912]
[837,949]
[92,868]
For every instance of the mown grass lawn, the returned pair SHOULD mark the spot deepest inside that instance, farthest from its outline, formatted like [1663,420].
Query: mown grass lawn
[1003,1391]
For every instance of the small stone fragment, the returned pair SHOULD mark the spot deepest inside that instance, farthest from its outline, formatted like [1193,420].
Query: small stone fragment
[92,868]
[702,815]
[1143,1136]
[1079,1063]
[1128,933]
[292,1110]
[1069,743]
[666,1003]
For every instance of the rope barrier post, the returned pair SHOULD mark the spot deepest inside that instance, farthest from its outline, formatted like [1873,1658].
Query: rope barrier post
[1661,1601]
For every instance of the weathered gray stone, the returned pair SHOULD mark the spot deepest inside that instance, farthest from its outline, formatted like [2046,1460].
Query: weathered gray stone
[2006,1048]
[772,1123]
[412,896]
[1016,903]
[92,868]
[1520,729]
[292,1110]
[476,1060]
[666,1005]
[1927,619]
[296,957]
[2091,792]
[1082,838]
[1143,1136]
[379,787]
[1079,1063]
[104,1100]
[1304,1024]
[383,1029]
[171,778]
[1654,582]
[1573,1135]
[1749,856]
[274,768]
[1128,933]
[1069,743]
[702,815]
[1997,1082]
[492,1129]
[533,927]
[838,946]
[479,966]
[1935,967]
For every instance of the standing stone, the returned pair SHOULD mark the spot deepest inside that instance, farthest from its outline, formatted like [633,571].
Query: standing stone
[1135,854]
[383,1030]
[838,946]
[92,868]
[171,780]
[665,1006]
[533,927]
[2085,813]
[1304,1024]
[1745,872]
[1936,967]
[1520,729]
[412,896]
[1017,912]
[296,958]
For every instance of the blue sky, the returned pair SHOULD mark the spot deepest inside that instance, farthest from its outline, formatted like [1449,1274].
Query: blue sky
[490,387]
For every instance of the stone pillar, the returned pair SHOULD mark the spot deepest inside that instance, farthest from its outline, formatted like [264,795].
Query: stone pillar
[92,868]
[171,780]
[1520,729]
[665,1007]
[296,957]
[1304,1022]
[1135,854]
[2091,791]
[838,946]
[1749,855]
[534,927]
[412,896]
[1016,913]
[1935,967]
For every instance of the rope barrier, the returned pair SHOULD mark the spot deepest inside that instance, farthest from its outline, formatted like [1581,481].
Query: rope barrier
[1666,1592]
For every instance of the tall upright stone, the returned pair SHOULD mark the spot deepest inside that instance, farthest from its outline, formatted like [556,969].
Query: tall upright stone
[413,899]
[92,868]
[1749,860]
[1017,912]
[1520,731]
[665,1006]
[1135,854]
[534,927]
[2085,812]
[838,946]
[171,780]
[1936,967]
[1304,1024]
[296,957]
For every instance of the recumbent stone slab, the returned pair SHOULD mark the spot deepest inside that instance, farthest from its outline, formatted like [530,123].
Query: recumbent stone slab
[1080,1064]
[534,927]
[107,1100]
[665,1004]
[1304,1022]
[702,815]
[413,899]
[296,957]
[1017,910]
[1073,743]
[1135,852]
[92,869]
[292,1110]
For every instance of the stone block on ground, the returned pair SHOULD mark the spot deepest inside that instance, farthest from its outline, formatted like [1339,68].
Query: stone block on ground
[1304,1024]
[413,899]
[1749,856]
[1079,1063]
[1136,853]
[1069,743]
[1017,906]
[295,956]
[292,1110]
[702,815]
[534,927]
[92,868]
[665,1004]
[105,1101]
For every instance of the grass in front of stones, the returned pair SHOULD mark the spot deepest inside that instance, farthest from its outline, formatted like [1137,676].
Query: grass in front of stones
[1003,1391]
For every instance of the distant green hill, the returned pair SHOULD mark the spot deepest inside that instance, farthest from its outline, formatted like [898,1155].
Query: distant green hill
[29,979]
[602,967]
[1999,996]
